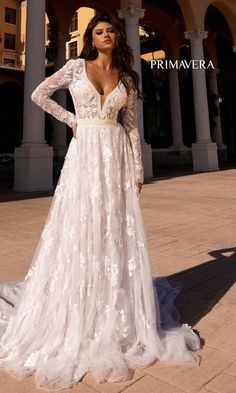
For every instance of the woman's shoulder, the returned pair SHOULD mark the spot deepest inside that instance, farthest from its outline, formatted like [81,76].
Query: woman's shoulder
[74,66]
[77,61]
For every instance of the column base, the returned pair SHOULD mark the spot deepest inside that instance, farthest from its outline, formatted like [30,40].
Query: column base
[147,160]
[60,151]
[221,146]
[179,147]
[33,168]
[58,160]
[205,157]
[166,157]
[222,154]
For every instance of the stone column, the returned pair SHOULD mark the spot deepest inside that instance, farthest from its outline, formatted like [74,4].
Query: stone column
[59,129]
[175,107]
[213,88]
[204,151]
[33,159]
[131,15]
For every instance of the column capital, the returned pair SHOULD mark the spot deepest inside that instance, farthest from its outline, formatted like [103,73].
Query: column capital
[196,35]
[132,12]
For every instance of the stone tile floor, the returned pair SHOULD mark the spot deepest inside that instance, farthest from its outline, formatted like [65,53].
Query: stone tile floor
[190,221]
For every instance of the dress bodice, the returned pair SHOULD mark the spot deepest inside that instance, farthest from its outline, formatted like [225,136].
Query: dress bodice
[88,105]
[87,100]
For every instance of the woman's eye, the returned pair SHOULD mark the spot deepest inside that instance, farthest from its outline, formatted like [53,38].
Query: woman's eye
[99,32]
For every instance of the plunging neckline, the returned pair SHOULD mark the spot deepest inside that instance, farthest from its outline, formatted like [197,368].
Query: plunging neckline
[100,106]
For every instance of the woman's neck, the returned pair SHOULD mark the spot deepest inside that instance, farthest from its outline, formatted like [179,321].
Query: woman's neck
[104,60]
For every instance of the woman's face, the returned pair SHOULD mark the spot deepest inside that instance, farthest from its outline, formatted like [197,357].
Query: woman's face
[104,37]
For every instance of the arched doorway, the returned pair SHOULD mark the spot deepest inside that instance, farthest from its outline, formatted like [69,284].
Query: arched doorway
[11,112]
[218,28]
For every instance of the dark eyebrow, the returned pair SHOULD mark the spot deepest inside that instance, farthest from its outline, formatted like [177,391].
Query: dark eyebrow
[110,27]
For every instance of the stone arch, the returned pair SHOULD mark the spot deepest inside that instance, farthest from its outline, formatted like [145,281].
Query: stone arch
[189,14]
[170,34]
[164,38]
[227,10]
[196,13]
[211,42]
[61,12]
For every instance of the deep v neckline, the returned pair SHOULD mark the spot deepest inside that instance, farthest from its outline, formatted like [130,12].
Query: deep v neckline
[100,106]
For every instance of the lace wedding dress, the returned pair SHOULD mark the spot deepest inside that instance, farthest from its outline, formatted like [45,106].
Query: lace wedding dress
[88,302]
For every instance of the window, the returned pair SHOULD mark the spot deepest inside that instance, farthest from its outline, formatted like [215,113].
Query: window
[10,15]
[9,62]
[74,23]
[73,49]
[9,41]
[48,32]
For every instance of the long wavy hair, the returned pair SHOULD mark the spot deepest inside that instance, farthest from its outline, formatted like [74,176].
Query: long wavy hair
[122,55]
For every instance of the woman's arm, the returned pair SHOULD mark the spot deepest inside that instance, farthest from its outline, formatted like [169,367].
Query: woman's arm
[59,80]
[129,122]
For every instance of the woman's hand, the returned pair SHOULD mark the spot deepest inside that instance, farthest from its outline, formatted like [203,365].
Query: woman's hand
[140,187]
[74,128]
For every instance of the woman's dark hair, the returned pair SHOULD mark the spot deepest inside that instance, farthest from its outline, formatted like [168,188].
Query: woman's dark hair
[122,56]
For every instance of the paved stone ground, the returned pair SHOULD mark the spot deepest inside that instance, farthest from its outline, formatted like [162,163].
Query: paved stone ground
[190,222]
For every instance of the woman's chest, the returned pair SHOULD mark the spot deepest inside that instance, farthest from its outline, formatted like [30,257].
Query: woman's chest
[84,94]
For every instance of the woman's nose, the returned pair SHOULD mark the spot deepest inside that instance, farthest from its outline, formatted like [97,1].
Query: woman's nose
[106,34]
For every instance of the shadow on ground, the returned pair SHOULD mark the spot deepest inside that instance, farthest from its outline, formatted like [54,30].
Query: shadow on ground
[163,173]
[8,195]
[170,172]
[204,285]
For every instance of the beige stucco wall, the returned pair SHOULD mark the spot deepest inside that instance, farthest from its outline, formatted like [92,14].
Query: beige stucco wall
[84,15]
[9,28]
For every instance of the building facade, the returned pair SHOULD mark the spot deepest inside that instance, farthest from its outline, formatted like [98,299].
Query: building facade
[13,14]
[10,43]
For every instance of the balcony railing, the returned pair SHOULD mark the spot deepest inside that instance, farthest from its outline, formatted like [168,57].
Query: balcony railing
[12,66]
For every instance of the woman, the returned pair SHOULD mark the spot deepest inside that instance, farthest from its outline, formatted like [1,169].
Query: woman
[88,302]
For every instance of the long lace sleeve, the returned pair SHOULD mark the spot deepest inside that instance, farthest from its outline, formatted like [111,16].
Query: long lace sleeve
[59,80]
[129,122]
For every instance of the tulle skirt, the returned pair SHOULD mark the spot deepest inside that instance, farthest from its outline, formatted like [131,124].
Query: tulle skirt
[89,302]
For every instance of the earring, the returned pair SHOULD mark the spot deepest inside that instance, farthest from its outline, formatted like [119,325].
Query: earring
[93,45]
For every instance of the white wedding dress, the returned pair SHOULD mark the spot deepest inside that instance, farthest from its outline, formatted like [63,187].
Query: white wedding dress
[89,302]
